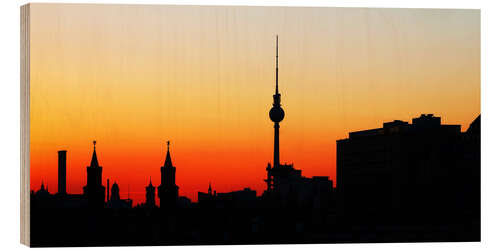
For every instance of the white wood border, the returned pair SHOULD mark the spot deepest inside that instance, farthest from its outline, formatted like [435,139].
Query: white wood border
[25,124]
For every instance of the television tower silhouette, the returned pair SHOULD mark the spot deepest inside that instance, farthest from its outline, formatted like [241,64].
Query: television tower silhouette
[276,114]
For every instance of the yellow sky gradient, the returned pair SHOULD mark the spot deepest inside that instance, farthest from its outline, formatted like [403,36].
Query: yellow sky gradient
[134,76]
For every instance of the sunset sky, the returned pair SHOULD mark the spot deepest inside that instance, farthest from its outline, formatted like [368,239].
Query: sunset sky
[132,77]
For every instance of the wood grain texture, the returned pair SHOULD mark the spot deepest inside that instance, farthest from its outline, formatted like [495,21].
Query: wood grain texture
[25,124]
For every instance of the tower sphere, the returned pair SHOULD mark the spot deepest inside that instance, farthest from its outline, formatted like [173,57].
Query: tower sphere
[276,114]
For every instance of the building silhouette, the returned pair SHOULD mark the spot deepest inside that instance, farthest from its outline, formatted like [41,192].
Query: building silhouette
[168,191]
[42,192]
[150,195]
[238,199]
[404,168]
[94,190]
[469,191]
[115,192]
[107,190]
[115,201]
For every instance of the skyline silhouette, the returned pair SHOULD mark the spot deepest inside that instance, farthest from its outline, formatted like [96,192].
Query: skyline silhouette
[341,70]
[168,187]
[404,182]
[192,149]
[98,196]
[139,196]
[417,182]
[168,162]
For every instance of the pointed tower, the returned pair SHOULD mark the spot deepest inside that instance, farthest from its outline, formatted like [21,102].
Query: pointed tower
[150,194]
[168,191]
[94,191]
[276,114]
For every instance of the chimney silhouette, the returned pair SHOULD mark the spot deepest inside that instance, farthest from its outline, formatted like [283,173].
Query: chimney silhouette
[107,191]
[61,172]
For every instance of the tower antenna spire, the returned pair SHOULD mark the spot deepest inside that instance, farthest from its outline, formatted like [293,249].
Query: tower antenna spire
[276,114]
[276,64]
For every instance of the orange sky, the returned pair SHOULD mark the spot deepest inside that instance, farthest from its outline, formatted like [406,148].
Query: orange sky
[134,76]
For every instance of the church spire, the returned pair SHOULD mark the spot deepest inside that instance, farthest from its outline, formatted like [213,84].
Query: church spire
[168,159]
[94,162]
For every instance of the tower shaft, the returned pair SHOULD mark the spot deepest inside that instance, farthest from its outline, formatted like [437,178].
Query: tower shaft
[276,161]
[276,114]
[276,104]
